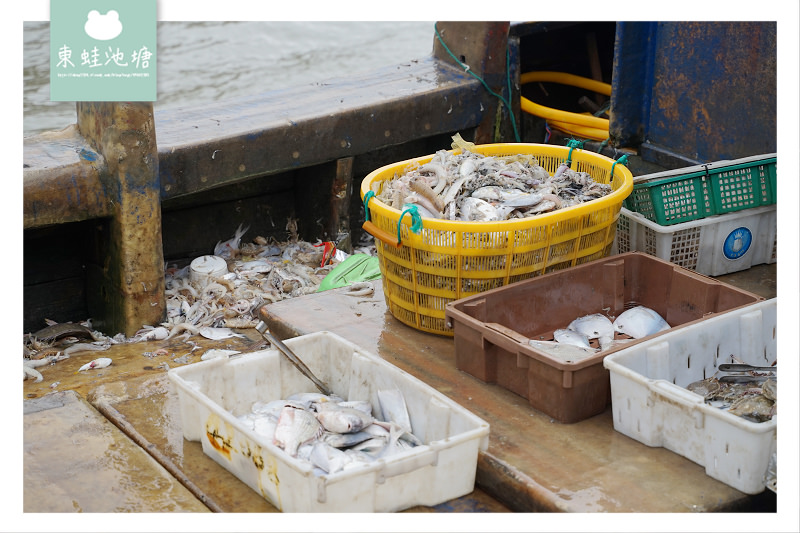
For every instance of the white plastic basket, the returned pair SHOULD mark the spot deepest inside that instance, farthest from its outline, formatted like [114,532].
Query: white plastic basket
[213,393]
[711,246]
[651,404]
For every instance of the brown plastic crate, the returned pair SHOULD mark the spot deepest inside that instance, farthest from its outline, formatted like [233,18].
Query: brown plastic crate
[492,329]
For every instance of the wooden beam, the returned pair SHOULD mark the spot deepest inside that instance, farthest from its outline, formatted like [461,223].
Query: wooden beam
[127,280]
[482,46]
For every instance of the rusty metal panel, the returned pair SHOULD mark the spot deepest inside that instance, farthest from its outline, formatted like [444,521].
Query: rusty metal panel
[700,91]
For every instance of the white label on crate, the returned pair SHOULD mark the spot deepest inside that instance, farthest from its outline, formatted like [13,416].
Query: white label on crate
[737,243]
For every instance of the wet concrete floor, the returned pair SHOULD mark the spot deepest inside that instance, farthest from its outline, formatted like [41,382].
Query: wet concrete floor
[142,447]
[86,433]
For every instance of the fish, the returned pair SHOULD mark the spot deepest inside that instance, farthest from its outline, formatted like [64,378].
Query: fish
[568,353]
[567,336]
[339,419]
[215,353]
[594,326]
[477,210]
[393,407]
[85,347]
[361,405]
[265,426]
[230,248]
[516,185]
[102,362]
[29,372]
[54,332]
[216,334]
[507,197]
[272,408]
[307,398]
[149,333]
[344,440]
[295,427]
[328,458]
[639,322]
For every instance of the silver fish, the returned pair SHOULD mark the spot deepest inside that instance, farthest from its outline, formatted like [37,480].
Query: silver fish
[375,445]
[507,197]
[102,362]
[215,334]
[361,405]
[640,322]
[568,353]
[295,427]
[311,399]
[265,426]
[272,408]
[328,458]
[214,353]
[343,440]
[393,407]
[594,326]
[477,210]
[230,247]
[567,336]
[343,419]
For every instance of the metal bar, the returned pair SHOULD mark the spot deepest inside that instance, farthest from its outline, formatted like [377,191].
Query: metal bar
[293,358]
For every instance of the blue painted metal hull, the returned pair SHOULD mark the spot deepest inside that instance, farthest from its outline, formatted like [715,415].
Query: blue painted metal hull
[695,91]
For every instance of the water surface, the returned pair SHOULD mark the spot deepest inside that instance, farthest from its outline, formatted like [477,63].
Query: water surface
[201,62]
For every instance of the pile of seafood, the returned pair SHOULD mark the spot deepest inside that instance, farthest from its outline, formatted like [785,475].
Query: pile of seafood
[573,343]
[331,433]
[469,186]
[256,273]
[751,395]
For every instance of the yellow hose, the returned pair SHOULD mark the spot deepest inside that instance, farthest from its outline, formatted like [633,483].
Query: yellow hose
[587,126]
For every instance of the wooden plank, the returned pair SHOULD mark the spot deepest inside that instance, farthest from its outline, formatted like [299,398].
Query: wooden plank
[77,461]
[135,394]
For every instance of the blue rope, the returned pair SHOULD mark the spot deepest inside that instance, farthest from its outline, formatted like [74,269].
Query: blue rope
[416,219]
[467,69]
[367,198]
[622,160]
[573,143]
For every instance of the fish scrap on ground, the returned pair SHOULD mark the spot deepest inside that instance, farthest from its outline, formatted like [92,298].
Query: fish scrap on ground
[469,186]
[258,272]
[331,433]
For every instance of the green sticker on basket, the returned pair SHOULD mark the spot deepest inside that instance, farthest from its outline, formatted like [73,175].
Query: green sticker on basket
[102,51]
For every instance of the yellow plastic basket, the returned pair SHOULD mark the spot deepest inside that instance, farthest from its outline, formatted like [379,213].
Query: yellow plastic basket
[448,260]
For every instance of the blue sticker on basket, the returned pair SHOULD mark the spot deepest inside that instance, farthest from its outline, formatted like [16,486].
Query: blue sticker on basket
[737,243]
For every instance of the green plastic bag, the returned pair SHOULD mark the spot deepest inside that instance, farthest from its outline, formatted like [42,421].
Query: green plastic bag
[357,267]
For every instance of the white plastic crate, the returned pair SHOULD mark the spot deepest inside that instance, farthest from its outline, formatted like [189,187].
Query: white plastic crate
[651,404]
[712,246]
[213,393]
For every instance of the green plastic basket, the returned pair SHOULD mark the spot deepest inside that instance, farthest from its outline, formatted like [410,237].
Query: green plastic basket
[704,190]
